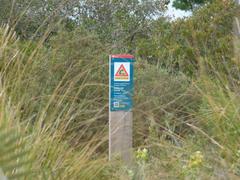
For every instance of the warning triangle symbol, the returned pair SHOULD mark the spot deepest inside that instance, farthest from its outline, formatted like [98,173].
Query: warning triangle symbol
[122,71]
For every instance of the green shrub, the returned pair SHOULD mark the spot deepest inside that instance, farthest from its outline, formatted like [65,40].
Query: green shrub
[182,45]
[164,102]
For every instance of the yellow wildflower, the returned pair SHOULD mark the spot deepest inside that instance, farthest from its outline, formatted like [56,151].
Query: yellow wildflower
[196,160]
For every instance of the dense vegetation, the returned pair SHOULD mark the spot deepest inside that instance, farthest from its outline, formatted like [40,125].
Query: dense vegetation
[54,89]
[189,4]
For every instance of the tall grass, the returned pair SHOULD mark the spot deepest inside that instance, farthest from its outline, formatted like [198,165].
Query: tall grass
[53,125]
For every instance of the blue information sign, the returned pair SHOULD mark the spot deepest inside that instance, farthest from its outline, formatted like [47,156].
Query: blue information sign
[121,82]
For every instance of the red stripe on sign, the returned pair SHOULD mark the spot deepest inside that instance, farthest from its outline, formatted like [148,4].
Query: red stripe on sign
[128,56]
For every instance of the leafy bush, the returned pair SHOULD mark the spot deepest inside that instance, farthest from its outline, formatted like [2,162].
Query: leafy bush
[164,101]
[183,45]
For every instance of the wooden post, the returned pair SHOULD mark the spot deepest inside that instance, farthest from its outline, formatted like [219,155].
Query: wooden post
[120,139]
[120,107]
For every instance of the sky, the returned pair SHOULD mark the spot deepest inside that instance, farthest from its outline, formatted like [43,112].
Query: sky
[175,13]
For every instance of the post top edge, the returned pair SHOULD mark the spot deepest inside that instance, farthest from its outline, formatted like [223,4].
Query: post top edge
[128,56]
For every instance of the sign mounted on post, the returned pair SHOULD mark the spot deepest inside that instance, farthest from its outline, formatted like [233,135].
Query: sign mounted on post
[121,82]
[120,106]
